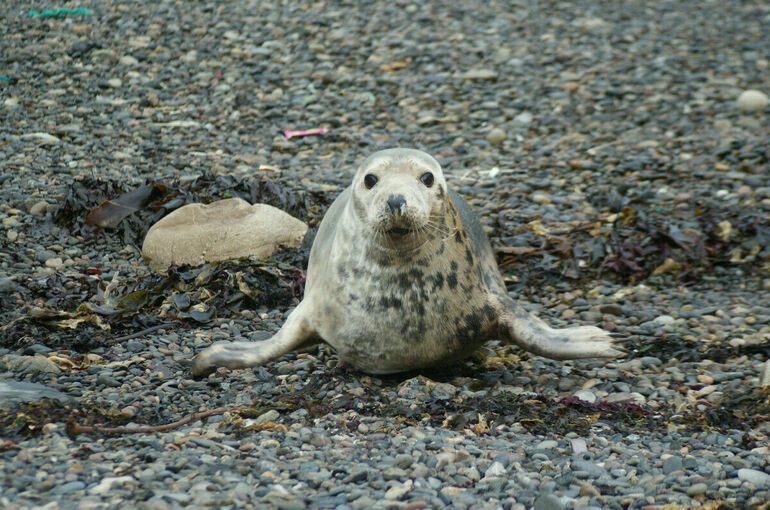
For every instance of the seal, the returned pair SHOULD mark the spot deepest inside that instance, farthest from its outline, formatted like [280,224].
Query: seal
[401,276]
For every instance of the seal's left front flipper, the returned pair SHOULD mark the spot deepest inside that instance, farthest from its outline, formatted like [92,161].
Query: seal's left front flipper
[519,327]
[295,333]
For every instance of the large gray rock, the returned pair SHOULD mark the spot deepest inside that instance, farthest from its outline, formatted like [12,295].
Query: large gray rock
[223,230]
[28,364]
[18,391]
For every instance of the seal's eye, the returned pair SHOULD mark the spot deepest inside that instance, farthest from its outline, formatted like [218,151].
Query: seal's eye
[427,179]
[370,180]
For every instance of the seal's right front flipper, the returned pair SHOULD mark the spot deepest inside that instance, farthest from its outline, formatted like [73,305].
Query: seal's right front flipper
[295,333]
[519,327]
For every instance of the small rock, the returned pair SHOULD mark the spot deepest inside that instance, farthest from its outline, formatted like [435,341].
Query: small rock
[267,417]
[38,208]
[69,487]
[128,61]
[706,390]
[758,478]
[623,396]
[586,396]
[540,197]
[548,502]
[115,83]
[660,321]
[546,445]
[6,285]
[496,469]
[128,412]
[592,469]
[496,136]
[752,101]
[586,489]
[106,484]
[612,309]
[41,138]
[523,119]
[671,464]
[590,24]
[403,461]
[697,489]
[54,263]
[107,380]
[398,491]
[223,230]
[764,381]
[480,74]
[579,445]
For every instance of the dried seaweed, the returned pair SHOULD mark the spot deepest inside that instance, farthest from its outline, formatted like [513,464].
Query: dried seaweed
[111,212]
[673,346]
[741,408]
[638,242]
[183,295]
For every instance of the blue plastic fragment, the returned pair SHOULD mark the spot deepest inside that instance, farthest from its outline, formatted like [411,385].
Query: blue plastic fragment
[59,12]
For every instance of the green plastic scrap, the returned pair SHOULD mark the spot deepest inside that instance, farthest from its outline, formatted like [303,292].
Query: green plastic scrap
[4,77]
[59,12]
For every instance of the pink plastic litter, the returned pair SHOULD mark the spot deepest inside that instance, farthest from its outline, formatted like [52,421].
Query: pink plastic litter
[289,134]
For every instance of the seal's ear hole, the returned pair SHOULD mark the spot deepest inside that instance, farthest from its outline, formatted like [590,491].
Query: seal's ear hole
[370,180]
[427,179]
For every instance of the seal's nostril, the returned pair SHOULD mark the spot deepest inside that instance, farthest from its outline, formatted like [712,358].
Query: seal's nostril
[396,204]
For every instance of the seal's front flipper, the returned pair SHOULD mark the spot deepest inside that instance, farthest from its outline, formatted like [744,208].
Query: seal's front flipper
[532,334]
[295,333]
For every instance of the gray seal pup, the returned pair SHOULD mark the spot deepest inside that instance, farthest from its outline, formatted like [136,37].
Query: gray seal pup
[401,277]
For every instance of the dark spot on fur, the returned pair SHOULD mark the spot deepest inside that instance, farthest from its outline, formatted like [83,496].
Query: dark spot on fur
[416,274]
[419,308]
[403,281]
[473,322]
[458,237]
[440,191]
[342,271]
[489,312]
[468,255]
[390,302]
[452,277]
[441,249]
[438,281]
[421,328]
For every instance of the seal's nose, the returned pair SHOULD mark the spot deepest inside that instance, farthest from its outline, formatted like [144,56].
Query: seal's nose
[397,204]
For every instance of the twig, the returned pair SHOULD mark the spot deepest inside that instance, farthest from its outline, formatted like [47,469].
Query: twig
[74,428]
[142,332]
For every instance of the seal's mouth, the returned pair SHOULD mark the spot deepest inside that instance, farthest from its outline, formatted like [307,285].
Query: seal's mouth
[399,231]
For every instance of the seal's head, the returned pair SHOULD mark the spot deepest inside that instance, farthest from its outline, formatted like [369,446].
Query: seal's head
[399,193]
